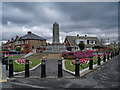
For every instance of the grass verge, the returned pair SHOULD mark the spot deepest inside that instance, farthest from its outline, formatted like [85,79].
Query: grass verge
[21,67]
[71,67]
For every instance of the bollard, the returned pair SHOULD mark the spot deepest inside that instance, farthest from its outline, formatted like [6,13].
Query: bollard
[117,52]
[114,54]
[60,68]
[43,69]
[91,64]
[3,60]
[27,72]
[97,52]
[77,68]
[104,58]
[111,55]
[10,68]
[99,60]
[108,56]
[6,62]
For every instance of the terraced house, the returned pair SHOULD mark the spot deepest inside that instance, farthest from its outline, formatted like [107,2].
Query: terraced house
[72,42]
[10,44]
[29,43]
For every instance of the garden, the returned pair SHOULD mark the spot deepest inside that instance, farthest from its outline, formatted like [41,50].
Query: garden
[83,56]
[19,63]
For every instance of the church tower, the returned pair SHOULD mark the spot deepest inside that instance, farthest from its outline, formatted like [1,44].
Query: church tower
[56,33]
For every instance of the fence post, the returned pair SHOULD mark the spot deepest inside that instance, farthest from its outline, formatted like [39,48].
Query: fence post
[27,72]
[104,58]
[99,60]
[77,68]
[43,69]
[60,74]
[10,67]
[91,64]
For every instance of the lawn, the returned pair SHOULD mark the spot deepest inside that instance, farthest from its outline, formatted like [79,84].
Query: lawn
[21,67]
[71,67]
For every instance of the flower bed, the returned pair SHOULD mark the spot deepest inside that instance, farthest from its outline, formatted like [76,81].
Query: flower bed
[77,54]
[19,64]
[21,67]
[83,56]
[21,61]
[9,55]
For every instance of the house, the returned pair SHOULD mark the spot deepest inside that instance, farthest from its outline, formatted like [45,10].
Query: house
[31,43]
[10,44]
[72,42]
[111,46]
[28,43]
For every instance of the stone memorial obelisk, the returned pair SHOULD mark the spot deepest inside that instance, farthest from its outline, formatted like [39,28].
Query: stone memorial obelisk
[56,46]
[56,33]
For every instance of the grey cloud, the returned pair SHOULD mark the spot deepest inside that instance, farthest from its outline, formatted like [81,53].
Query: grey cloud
[83,17]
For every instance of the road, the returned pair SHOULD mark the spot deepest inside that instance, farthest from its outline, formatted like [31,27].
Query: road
[51,70]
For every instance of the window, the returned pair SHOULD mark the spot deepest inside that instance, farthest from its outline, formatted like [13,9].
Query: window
[26,47]
[32,47]
[91,42]
[81,41]
[87,41]
[95,42]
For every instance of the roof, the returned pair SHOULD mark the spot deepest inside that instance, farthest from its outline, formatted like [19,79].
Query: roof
[31,36]
[72,39]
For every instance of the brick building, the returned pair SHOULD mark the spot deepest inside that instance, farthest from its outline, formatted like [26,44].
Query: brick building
[28,43]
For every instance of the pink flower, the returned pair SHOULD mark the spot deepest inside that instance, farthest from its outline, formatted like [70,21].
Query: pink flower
[22,61]
[9,55]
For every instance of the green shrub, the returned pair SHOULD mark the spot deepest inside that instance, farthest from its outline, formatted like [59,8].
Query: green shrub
[18,48]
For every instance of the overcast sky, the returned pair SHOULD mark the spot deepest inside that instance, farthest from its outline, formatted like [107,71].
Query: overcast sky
[84,18]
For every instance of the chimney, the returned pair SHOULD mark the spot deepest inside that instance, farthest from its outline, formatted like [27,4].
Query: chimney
[85,35]
[29,32]
[77,34]
[12,39]
[17,37]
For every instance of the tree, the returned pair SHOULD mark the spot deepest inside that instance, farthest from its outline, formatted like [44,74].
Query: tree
[81,45]
[18,48]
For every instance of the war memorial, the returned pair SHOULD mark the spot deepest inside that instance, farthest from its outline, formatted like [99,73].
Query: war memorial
[56,46]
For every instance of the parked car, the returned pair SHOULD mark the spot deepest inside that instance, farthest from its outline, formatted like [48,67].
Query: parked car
[14,52]
[5,52]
